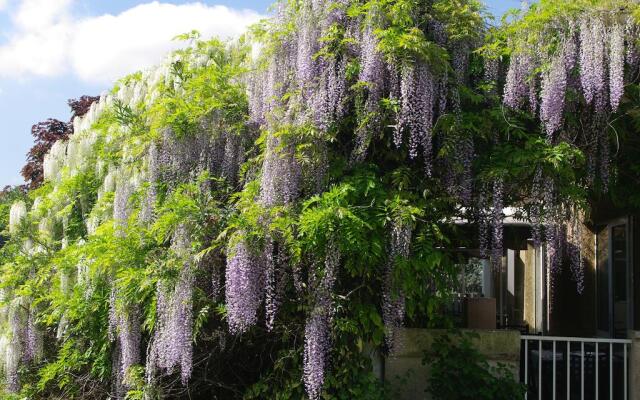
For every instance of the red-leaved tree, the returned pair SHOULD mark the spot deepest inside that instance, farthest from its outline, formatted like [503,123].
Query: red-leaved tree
[80,107]
[48,132]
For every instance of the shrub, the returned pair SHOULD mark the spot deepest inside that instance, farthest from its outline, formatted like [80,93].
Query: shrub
[460,372]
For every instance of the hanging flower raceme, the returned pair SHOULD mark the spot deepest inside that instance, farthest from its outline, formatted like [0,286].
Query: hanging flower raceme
[329,97]
[233,157]
[34,341]
[393,306]
[307,45]
[317,345]
[466,157]
[244,287]
[281,174]
[516,88]
[373,74]
[458,168]
[555,240]
[121,204]
[616,65]
[125,332]
[554,87]
[317,342]
[491,71]
[632,54]
[497,225]
[271,298]
[417,100]
[554,233]
[537,209]
[18,320]
[17,214]
[172,342]
[484,221]
[574,247]
[592,59]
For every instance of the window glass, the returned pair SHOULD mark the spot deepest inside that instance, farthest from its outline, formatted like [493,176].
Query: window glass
[619,264]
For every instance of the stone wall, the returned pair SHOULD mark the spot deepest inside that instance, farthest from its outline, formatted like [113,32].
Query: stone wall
[404,369]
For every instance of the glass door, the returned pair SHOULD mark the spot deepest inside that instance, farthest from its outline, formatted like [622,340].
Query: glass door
[613,279]
[619,278]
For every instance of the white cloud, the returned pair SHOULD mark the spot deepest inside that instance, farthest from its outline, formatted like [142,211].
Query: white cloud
[48,41]
[39,53]
[110,46]
[38,15]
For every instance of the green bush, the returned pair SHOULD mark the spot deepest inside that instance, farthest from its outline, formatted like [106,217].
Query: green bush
[460,372]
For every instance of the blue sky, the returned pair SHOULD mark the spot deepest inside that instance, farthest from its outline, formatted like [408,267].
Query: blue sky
[54,50]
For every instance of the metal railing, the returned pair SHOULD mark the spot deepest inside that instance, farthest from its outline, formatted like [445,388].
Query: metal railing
[582,359]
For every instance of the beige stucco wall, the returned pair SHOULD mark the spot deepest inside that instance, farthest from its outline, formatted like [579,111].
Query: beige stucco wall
[408,377]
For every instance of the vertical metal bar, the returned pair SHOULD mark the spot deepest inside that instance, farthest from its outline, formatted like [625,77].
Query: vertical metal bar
[582,371]
[597,377]
[626,389]
[501,299]
[540,370]
[526,367]
[568,370]
[611,371]
[554,370]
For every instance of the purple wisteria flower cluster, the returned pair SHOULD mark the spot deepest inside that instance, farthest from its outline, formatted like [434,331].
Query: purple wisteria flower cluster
[574,247]
[558,226]
[317,342]
[172,342]
[554,87]
[590,59]
[593,50]
[490,220]
[211,148]
[417,99]
[316,83]
[252,278]
[271,294]
[244,287]
[616,65]
[374,74]
[34,338]
[281,174]
[516,88]
[126,331]
[393,300]
[497,225]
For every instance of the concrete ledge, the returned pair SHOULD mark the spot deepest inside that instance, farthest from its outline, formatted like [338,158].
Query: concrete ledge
[495,344]
[404,369]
